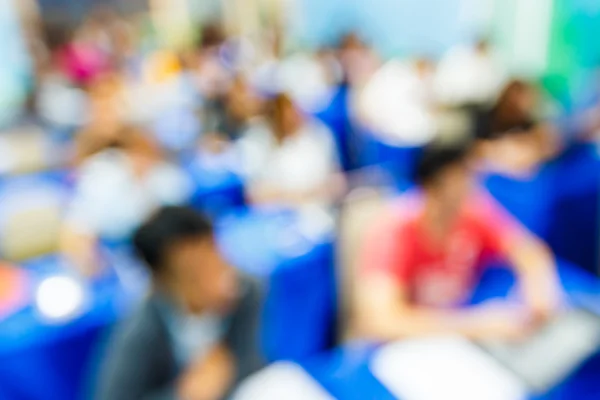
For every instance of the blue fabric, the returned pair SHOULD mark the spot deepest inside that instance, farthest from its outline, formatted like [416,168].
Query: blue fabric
[400,162]
[40,360]
[346,375]
[216,192]
[560,203]
[575,217]
[337,117]
[300,306]
[530,200]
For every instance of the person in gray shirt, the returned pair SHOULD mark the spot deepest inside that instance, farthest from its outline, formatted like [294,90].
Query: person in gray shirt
[195,336]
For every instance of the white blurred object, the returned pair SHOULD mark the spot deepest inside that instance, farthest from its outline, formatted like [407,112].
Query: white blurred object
[304,78]
[111,201]
[59,298]
[62,105]
[444,368]
[282,380]
[301,163]
[468,76]
[30,215]
[27,149]
[395,103]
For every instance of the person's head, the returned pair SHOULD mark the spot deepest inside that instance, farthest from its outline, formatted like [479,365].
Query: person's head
[424,67]
[178,246]
[211,37]
[519,149]
[444,173]
[515,104]
[284,116]
[351,41]
[482,45]
[242,101]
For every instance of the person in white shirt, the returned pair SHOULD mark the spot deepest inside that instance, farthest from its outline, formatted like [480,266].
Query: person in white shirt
[290,160]
[469,76]
[117,188]
[396,103]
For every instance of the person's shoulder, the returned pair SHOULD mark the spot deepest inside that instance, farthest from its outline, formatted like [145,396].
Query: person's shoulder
[142,328]
[316,132]
[257,131]
[104,160]
[481,205]
[400,214]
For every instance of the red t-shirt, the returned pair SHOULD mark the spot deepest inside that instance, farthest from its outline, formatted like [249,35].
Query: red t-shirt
[442,274]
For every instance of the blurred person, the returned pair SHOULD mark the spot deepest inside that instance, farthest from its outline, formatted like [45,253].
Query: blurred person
[231,114]
[512,136]
[515,105]
[58,102]
[116,188]
[195,336]
[306,77]
[396,103]
[421,263]
[468,76]
[357,60]
[518,151]
[106,115]
[87,54]
[291,160]
[212,75]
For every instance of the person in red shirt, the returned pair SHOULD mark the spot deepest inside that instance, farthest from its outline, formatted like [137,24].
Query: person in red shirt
[421,262]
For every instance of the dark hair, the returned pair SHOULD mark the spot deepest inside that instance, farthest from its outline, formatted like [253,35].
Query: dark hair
[506,117]
[166,227]
[435,158]
[211,35]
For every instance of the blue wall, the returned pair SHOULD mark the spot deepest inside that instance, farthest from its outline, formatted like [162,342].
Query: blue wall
[396,26]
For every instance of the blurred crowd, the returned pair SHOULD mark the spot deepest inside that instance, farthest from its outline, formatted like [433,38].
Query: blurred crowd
[126,111]
[127,117]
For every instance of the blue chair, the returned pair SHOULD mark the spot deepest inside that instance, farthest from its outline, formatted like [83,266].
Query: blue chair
[575,216]
[216,191]
[400,162]
[530,200]
[300,307]
[337,117]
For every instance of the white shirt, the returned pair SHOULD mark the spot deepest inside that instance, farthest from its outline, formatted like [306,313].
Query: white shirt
[301,163]
[395,103]
[111,202]
[466,76]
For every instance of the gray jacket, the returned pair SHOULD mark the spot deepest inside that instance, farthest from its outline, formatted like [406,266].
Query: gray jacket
[140,363]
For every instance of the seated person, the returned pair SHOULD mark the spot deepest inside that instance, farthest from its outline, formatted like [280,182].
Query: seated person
[106,112]
[116,189]
[290,160]
[510,139]
[194,337]
[423,261]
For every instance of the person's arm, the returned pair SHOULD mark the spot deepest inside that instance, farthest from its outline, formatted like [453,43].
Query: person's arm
[536,272]
[532,261]
[210,378]
[385,314]
[79,249]
[137,366]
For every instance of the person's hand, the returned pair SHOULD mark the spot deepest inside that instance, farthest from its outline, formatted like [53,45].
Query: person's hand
[210,378]
[501,321]
[544,306]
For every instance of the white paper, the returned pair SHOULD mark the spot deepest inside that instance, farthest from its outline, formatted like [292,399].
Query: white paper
[283,380]
[445,368]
